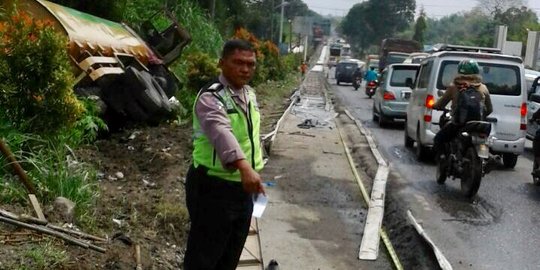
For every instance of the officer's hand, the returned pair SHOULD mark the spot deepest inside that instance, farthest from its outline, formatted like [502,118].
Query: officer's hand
[251,180]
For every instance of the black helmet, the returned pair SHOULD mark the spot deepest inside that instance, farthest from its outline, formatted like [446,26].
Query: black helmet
[468,67]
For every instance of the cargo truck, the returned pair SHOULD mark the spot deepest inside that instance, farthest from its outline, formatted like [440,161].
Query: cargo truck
[126,68]
[394,50]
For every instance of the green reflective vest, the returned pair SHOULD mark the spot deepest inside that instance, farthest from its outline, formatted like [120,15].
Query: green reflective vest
[244,127]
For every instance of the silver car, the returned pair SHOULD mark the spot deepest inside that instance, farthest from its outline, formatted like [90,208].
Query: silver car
[393,93]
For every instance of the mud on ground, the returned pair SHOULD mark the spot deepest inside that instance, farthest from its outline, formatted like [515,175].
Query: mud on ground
[145,207]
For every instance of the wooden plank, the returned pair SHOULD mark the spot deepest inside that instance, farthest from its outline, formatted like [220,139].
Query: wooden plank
[443,262]
[250,254]
[92,60]
[37,208]
[251,257]
[369,248]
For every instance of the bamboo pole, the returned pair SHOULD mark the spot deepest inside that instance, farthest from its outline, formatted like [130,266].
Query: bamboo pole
[28,219]
[45,230]
[17,167]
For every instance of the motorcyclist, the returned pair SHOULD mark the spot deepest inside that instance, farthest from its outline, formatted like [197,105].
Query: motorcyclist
[371,75]
[357,77]
[536,146]
[468,75]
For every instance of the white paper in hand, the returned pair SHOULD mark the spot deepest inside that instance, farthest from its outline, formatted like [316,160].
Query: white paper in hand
[259,204]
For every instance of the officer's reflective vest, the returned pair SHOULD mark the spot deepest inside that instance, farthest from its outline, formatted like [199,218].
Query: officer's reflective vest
[244,127]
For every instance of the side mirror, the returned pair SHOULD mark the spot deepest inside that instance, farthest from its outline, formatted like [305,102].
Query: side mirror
[409,83]
[535,98]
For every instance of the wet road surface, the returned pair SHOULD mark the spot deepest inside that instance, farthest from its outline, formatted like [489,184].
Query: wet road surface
[498,230]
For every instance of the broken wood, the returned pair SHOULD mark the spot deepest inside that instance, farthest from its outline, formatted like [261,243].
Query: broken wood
[16,167]
[28,219]
[37,208]
[45,230]
[8,214]
[77,233]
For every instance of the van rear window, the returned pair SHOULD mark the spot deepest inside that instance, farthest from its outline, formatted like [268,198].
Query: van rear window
[500,79]
[400,74]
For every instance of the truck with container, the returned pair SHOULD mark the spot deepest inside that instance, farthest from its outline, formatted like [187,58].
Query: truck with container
[394,50]
[126,69]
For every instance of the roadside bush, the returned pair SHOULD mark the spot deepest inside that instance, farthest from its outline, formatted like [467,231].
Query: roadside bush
[35,77]
[205,35]
[201,68]
[270,65]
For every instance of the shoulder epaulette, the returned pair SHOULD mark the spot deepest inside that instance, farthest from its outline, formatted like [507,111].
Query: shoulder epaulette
[214,86]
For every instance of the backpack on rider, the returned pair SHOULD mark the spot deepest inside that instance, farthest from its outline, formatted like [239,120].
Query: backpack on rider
[469,106]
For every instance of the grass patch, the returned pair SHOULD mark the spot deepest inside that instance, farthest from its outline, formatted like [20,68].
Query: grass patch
[54,173]
[43,256]
[174,213]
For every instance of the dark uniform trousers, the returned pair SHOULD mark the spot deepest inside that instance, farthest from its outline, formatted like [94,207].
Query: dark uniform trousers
[220,213]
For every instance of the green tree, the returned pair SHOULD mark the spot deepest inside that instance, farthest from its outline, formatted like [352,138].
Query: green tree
[367,23]
[519,22]
[420,27]
[473,28]
[492,7]
[112,10]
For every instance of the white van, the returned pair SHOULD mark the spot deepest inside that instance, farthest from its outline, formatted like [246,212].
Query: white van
[504,77]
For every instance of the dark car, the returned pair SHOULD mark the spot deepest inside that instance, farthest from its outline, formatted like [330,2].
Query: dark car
[345,72]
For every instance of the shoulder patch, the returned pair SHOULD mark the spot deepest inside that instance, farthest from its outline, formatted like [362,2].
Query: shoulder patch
[215,86]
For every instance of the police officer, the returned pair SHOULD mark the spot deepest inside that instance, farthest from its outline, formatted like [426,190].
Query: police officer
[227,157]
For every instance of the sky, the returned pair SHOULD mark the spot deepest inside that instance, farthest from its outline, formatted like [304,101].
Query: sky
[433,8]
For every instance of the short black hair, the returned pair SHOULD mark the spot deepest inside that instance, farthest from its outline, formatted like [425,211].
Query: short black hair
[236,44]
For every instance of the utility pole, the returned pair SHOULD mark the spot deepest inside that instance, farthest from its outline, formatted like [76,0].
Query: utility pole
[281,21]
[290,35]
[272,22]
[213,9]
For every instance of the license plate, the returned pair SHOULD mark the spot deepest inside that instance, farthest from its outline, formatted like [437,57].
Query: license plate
[405,95]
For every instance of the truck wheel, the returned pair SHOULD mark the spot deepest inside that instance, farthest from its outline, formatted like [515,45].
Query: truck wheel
[136,112]
[169,82]
[115,97]
[146,91]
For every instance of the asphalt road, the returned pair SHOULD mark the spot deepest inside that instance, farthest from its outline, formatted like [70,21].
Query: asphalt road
[498,230]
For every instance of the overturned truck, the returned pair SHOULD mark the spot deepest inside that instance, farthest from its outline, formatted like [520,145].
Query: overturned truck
[125,68]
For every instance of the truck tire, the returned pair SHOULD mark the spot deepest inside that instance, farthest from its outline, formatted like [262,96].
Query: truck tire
[166,78]
[136,112]
[146,91]
[115,98]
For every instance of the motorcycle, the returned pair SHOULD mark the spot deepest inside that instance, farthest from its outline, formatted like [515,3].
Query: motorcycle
[465,156]
[536,170]
[370,88]
[356,83]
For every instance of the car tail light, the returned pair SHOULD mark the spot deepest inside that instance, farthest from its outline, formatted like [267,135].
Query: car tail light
[523,112]
[523,109]
[430,100]
[388,96]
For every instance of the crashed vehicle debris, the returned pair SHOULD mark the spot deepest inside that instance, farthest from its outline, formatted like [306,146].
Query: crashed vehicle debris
[125,69]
